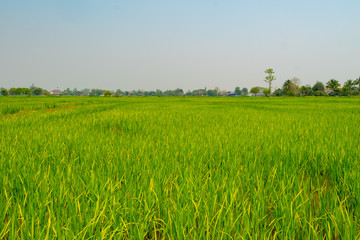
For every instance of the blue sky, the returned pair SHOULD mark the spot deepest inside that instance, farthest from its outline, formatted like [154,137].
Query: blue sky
[169,44]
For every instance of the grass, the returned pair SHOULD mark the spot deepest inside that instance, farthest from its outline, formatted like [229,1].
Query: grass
[179,168]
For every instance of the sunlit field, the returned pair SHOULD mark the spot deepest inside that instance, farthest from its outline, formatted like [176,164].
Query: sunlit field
[179,168]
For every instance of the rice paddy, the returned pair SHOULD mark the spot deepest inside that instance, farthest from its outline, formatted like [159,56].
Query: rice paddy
[179,168]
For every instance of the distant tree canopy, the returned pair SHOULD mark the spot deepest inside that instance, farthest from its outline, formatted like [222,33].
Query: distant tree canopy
[4,92]
[96,92]
[333,84]
[119,92]
[266,92]
[107,93]
[306,90]
[349,87]
[255,90]
[241,92]
[278,92]
[37,91]
[318,86]
[19,91]
[176,92]
[357,82]
[290,87]
[211,93]
[244,92]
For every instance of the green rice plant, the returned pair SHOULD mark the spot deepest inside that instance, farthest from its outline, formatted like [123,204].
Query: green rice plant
[180,168]
[10,109]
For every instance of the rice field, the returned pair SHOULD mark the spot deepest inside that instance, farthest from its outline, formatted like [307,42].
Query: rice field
[179,168]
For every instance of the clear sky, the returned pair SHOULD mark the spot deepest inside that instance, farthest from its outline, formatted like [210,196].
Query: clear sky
[167,44]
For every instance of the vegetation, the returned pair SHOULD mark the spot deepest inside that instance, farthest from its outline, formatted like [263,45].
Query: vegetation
[333,85]
[318,86]
[255,90]
[4,92]
[19,91]
[269,79]
[179,168]
[271,157]
[107,93]
[291,87]
[266,92]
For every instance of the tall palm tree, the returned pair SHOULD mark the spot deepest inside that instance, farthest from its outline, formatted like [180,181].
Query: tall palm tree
[357,82]
[349,84]
[333,84]
[287,86]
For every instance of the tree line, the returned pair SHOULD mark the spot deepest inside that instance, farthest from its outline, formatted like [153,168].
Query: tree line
[290,87]
[24,91]
[119,92]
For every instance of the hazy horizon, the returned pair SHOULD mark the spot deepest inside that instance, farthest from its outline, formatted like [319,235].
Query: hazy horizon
[179,44]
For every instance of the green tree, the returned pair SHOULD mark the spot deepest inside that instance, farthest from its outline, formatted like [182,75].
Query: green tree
[306,90]
[287,86]
[278,92]
[244,92]
[4,92]
[26,91]
[96,92]
[333,85]
[211,93]
[178,92]
[238,91]
[348,85]
[255,91]
[295,84]
[159,92]
[291,86]
[318,86]
[19,91]
[85,91]
[269,78]
[266,92]
[37,91]
[169,93]
[290,93]
[107,93]
[12,91]
[357,82]
[119,92]
[76,92]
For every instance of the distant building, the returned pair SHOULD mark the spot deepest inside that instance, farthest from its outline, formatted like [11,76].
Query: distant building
[56,92]
[329,91]
[199,92]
